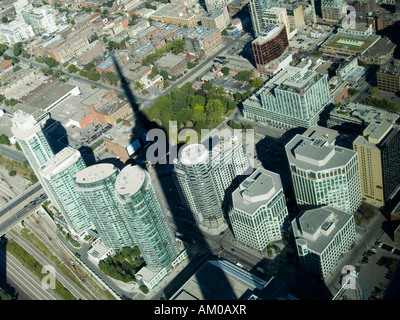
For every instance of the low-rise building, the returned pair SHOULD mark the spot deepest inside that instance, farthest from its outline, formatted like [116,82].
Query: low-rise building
[175,14]
[388,76]
[173,64]
[120,58]
[107,108]
[380,53]
[217,18]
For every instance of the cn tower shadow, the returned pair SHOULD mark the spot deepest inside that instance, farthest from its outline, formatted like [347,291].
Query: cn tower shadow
[183,221]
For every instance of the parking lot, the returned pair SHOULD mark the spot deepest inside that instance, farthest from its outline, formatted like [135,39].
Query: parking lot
[375,270]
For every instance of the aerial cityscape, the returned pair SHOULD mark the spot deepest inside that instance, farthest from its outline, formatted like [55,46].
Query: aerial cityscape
[189,150]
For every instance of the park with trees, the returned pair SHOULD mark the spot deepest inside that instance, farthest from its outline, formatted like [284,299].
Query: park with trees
[198,109]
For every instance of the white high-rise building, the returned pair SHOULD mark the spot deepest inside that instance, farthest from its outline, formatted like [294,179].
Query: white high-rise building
[41,19]
[323,174]
[16,31]
[28,132]
[141,210]
[58,175]
[258,210]
[96,187]
[294,97]
[205,179]
[322,236]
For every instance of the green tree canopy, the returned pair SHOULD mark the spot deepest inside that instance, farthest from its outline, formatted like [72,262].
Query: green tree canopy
[178,46]
[73,68]
[225,71]
[244,75]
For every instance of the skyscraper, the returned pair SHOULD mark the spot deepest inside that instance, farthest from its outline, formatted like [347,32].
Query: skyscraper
[257,8]
[258,210]
[322,236]
[295,97]
[96,187]
[377,150]
[58,175]
[205,179]
[269,47]
[29,134]
[141,210]
[323,174]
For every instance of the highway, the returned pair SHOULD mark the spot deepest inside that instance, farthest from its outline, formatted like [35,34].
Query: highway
[13,212]
[12,154]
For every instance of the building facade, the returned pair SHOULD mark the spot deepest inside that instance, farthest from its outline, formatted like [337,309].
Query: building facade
[28,131]
[333,9]
[322,236]
[323,174]
[379,168]
[142,211]
[217,18]
[58,174]
[270,46]
[16,31]
[258,210]
[257,8]
[295,97]
[388,76]
[204,178]
[96,187]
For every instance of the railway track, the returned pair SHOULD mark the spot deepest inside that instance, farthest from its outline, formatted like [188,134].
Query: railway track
[44,232]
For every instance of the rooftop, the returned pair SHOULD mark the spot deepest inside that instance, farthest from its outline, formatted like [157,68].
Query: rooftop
[315,154]
[382,47]
[257,190]
[95,173]
[130,180]
[194,154]
[170,60]
[219,280]
[61,161]
[318,226]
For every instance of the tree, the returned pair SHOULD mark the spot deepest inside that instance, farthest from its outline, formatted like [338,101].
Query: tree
[198,115]
[164,74]
[72,68]
[111,77]
[33,177]
[4,19]
[257,83]
[154,72]
[373,90]
[51,62]
[12,173]
[17,49]
[94,75]
[3,48]
[93,37]
[178,46]
[4,140]
[88,66]
[113,45]
[244,75]
[149,59]
[198,100]
[225,71]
